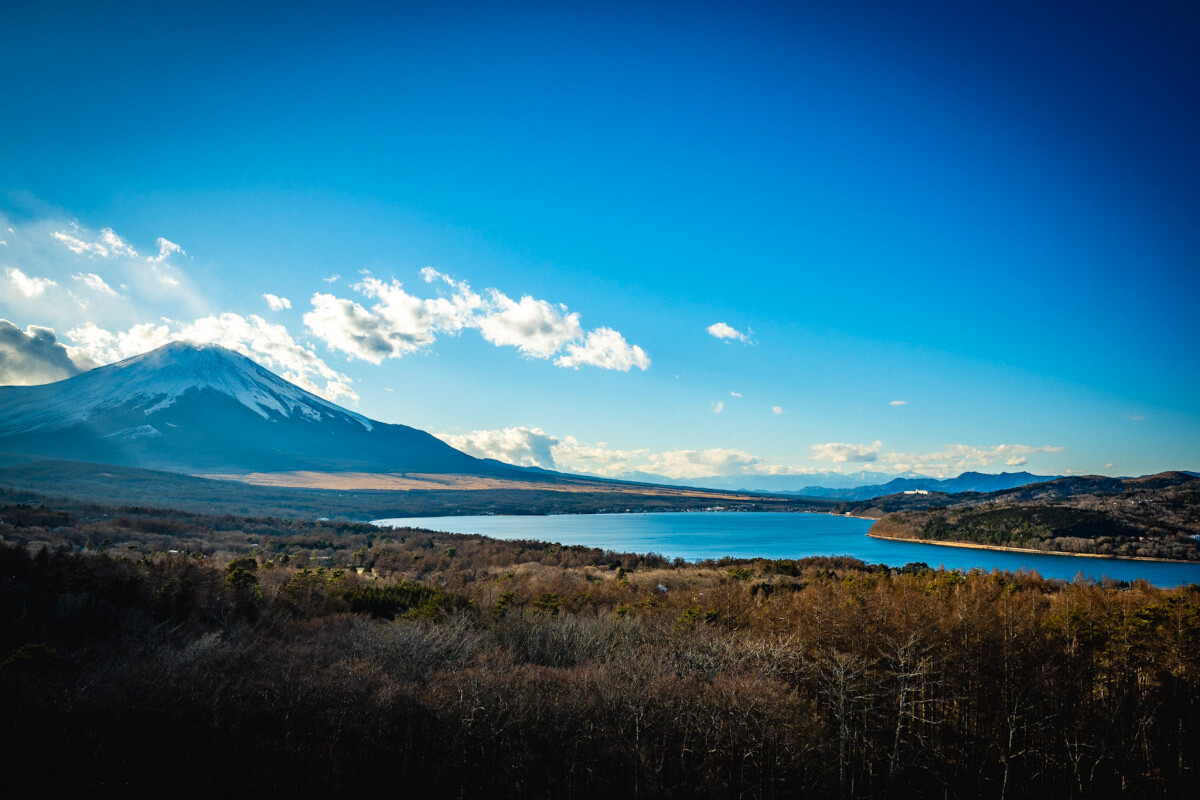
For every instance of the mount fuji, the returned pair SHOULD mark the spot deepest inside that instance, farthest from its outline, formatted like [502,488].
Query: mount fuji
[206,409]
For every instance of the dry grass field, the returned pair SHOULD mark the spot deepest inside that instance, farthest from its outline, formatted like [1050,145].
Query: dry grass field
[416,481]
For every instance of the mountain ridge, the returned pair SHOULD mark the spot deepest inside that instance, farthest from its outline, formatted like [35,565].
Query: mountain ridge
[204,409]
[970,481]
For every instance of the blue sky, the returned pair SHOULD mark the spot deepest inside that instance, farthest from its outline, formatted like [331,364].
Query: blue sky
[987,214]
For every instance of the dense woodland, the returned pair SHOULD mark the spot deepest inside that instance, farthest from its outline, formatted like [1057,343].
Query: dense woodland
[146,650]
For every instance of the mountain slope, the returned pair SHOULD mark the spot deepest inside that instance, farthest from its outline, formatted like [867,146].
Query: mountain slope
[208,409]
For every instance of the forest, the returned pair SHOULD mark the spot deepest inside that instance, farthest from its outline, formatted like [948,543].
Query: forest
[150,650]
[1156,516]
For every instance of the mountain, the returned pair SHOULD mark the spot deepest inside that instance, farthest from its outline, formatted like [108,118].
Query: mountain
[966,482]
[814,485]
[206,409]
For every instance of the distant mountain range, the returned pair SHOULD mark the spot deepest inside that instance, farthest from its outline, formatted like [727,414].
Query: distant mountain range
[206,409]
[779,484]
[966,482]
[209,410]
[857,485]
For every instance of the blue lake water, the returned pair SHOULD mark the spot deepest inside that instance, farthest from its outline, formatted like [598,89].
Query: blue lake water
[700,535]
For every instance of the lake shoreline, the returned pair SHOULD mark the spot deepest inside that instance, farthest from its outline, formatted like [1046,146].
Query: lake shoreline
[770,535]
[1005,549]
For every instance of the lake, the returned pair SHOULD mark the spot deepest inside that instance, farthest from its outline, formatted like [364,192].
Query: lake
[699,535]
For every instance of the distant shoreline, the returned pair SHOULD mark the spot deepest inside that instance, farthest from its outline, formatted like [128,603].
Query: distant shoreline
[974,546]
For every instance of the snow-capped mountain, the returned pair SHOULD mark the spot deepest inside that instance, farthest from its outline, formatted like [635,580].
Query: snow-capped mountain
[209,409]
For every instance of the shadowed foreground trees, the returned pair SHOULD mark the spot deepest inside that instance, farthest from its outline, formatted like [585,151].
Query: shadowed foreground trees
[512,670]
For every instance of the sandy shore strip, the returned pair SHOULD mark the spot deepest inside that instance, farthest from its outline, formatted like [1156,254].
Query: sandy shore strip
[974,546]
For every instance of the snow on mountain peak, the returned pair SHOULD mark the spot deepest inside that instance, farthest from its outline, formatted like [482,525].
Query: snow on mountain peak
[156,380]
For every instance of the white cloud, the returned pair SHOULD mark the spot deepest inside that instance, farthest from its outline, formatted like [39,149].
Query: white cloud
[898,403]
[840,453]
[681,464]
[535,327]
[777,409]
[723,331]
[401,323]
[530,446]
[276,303]
[735,394]
[345,325]
[95,283]
[252,336]
[105,347]
[106,245]
[718,407]
[165,249]
[571,455]
[607,349]
[431,275]
[525,447]
[129,285]
[534,447]
[332,279]
[30,287]
[960,457]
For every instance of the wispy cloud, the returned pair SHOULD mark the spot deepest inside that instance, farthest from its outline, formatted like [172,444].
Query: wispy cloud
[959,457]
[108,244]
[95,283]
[690,464]
[718,406]
[898,403]
[840,452]
[721,330]
[166,249]
[735,394]
[532,446]
[30,287]
[777,409]
[276,303]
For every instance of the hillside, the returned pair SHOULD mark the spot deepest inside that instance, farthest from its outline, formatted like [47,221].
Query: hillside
[206,409]
[432,496]
[228,655]
[1157,516]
